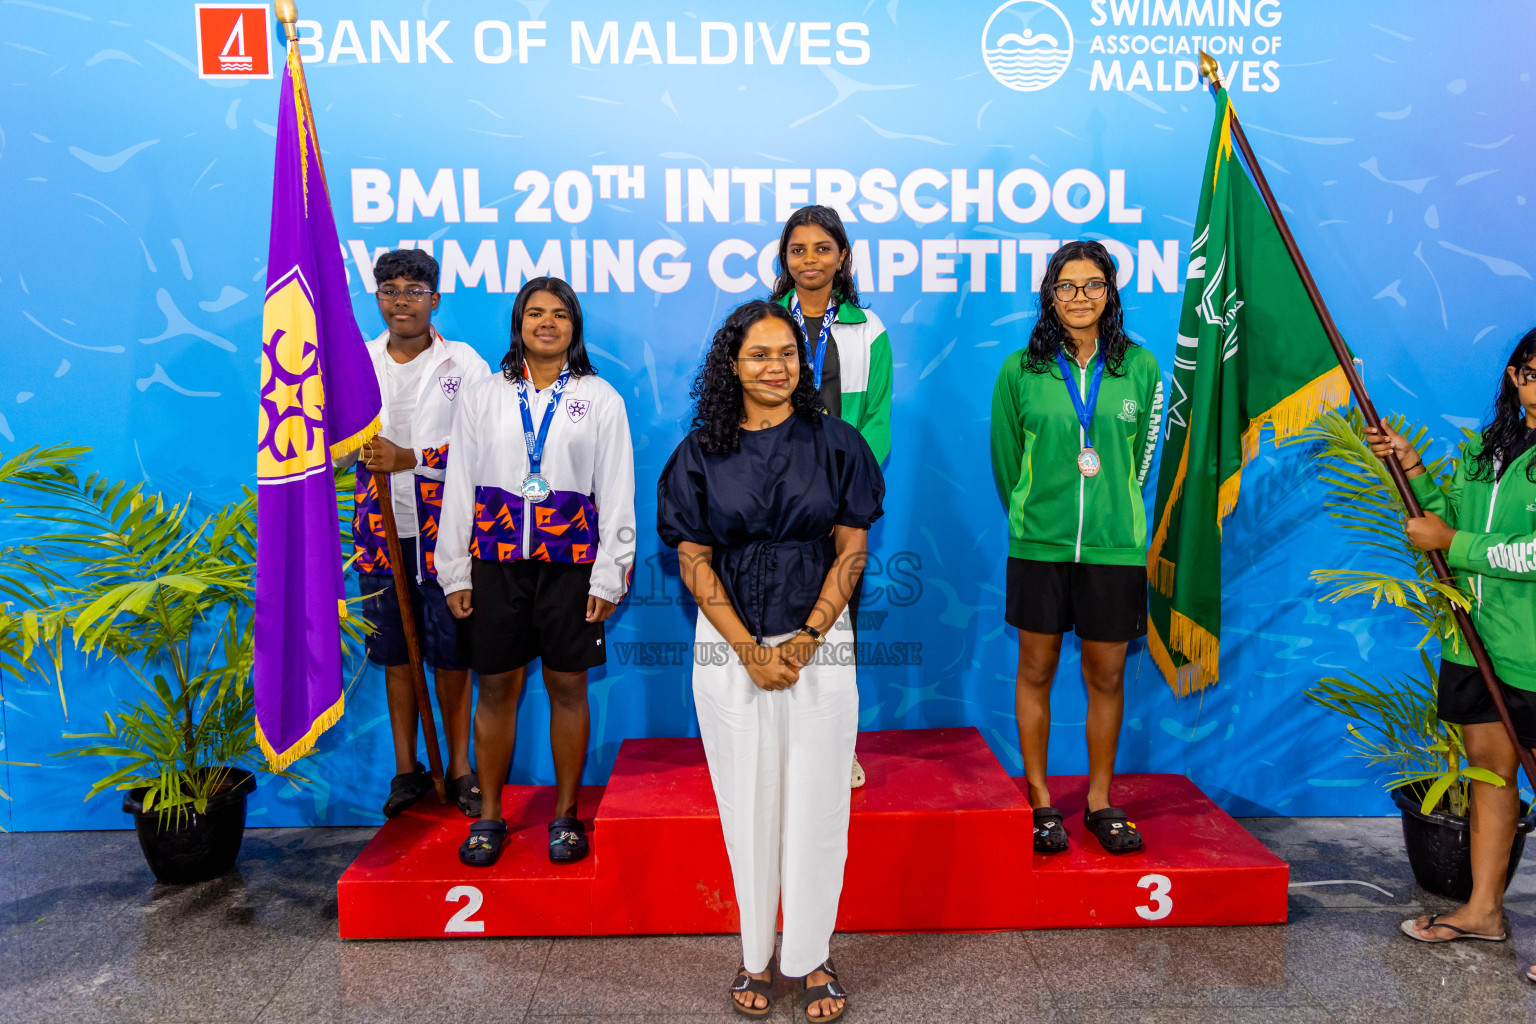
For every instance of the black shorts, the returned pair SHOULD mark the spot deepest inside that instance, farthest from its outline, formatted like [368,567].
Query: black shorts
[1106,603]
[443,641]
[1464,700]
[529,609]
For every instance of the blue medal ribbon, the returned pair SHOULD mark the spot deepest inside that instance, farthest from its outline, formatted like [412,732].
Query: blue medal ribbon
[1084,407]
[819,356]
[534,442]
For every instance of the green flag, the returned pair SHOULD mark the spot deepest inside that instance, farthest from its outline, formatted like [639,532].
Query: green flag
[1251,351]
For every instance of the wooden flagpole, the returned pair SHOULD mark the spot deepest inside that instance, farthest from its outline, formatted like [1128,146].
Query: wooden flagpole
[288,14]
[408,621]
[1211,70]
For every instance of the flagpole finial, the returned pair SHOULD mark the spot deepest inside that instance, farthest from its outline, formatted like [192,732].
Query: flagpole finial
[1208,67]
[287,13]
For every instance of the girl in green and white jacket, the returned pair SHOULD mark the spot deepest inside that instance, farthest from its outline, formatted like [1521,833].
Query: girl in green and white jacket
[1075,420]
[846,345]
[1485,522]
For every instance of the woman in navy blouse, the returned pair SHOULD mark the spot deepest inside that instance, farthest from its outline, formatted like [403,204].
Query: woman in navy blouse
[769,503]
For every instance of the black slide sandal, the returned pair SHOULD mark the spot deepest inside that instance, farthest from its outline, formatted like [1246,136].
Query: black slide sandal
[1114,831]
[831,990]
[483,847]
[1050,834]
[757,986]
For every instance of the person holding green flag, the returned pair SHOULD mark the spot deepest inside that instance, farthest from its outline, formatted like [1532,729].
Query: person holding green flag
[1075,420]
[1484,522]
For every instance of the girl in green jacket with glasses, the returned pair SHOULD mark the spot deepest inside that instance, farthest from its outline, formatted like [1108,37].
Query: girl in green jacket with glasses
[1485,522]
[1075,420]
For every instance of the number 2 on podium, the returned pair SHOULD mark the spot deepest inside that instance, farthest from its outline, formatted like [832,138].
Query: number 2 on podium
[1162,905]
[460,923]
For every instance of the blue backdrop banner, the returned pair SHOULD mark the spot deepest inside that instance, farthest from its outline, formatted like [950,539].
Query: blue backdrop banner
[649,155]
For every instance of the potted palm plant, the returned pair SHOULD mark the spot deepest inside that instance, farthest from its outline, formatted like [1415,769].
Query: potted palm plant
[166,594]
[1392,721]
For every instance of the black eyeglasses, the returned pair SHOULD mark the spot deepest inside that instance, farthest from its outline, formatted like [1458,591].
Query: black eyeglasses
[1066,291]
[1525,375]
[389,293]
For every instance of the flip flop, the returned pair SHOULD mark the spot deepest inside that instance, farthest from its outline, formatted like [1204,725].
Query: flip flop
[1530,975]
[1435,922]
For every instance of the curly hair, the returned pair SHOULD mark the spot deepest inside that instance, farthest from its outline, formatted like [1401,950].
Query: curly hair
[411,264]
[1050,336]
[1506,422]
[576,356]
[716,392]
[844,287]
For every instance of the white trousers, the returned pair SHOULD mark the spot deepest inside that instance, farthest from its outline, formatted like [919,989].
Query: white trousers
[780,763]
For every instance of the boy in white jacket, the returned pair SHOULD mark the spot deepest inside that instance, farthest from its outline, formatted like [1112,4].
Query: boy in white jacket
[422,378]
[537,540]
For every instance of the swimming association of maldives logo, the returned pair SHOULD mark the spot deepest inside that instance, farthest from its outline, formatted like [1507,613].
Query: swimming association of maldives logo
[233,40]
[1027,44]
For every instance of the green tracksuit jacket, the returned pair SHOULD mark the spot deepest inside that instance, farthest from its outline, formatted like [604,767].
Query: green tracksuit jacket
[1495,541]
[864,362]
[1055,514]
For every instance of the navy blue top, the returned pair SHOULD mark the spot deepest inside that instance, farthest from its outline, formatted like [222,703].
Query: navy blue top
[767,510]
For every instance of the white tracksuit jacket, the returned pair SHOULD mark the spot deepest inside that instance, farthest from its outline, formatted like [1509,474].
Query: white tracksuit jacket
[452,367]
[588,460]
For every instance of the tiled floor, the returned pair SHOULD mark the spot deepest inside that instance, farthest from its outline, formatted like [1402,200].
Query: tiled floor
[85,935]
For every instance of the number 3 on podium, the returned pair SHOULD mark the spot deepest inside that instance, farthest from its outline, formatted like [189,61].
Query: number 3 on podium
[1161,904]
[460,923]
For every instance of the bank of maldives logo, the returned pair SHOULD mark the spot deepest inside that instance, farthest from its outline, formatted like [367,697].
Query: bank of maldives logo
[234,41]
[1027,44]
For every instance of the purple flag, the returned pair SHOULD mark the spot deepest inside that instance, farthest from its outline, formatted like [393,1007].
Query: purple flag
[319,400]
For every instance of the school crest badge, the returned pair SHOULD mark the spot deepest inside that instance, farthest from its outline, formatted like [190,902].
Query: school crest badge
[576,408]
[450,386]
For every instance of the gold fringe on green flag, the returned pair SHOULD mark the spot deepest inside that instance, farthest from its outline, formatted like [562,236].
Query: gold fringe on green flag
[1252,356]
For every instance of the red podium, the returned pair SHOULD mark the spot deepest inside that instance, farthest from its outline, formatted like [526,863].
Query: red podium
[939,841]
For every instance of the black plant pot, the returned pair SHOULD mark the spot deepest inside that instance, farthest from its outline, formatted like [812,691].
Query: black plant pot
[193,847]
[1440,846]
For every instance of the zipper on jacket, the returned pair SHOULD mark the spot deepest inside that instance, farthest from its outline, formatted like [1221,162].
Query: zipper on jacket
[528,505]
[1487,528]
[421,389]
[1082,437]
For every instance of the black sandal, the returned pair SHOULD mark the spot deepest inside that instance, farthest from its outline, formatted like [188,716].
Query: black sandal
[831,990]
[757,986]
[465,791]
[1050,834]
[483,847]
[1115,832]
[567,840]
[405,789]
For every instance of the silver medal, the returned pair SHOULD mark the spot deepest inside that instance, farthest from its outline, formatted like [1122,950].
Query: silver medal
[536,488]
